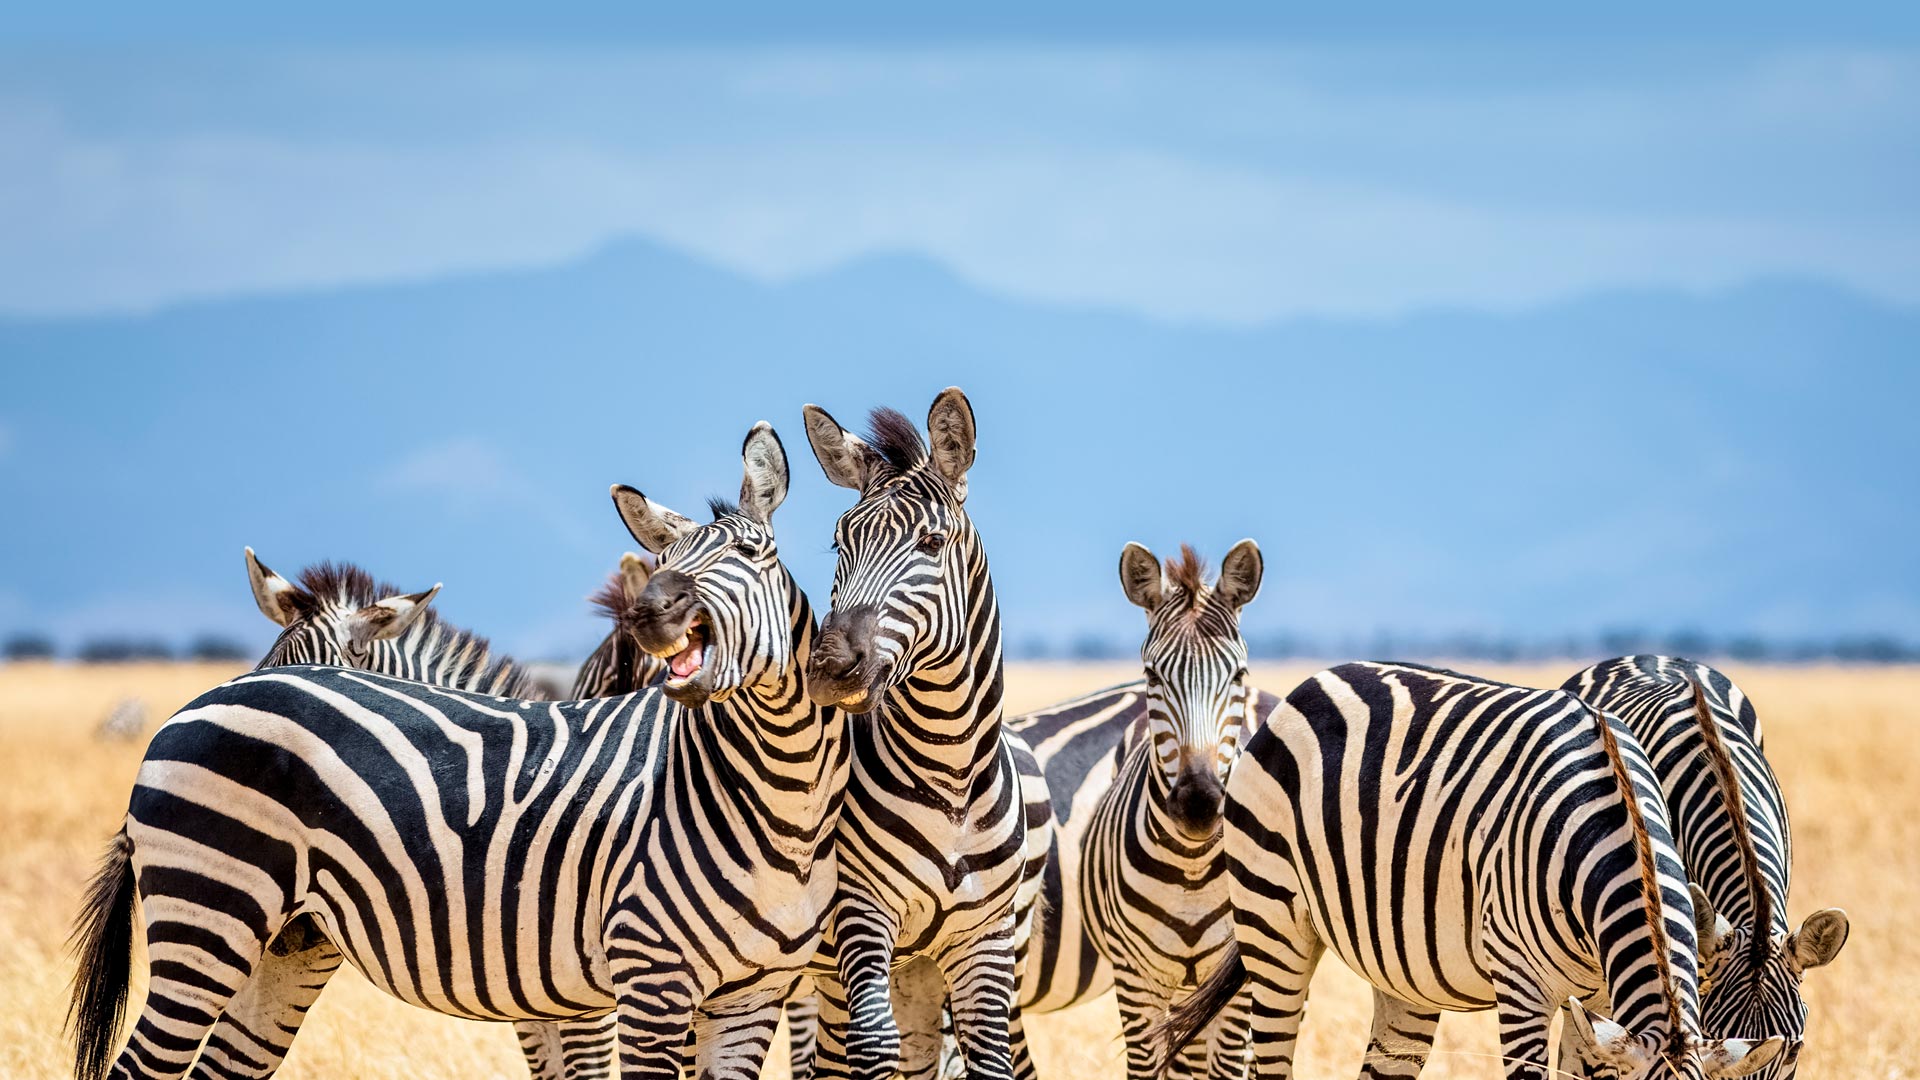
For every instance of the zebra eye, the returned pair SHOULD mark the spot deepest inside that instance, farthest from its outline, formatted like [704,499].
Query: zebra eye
[933,542]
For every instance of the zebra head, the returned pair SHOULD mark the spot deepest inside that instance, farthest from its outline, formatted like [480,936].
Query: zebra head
[1656,1057]
[1751,988]
[910,563]
[718,606]
[334,620]
[1196,668]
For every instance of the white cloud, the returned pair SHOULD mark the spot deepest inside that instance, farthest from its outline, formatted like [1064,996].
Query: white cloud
[1231,187]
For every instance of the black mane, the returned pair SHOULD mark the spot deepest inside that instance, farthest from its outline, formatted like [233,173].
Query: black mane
[722,507]
[895,439]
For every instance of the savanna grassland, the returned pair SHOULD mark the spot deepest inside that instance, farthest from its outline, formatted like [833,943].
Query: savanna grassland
[1842,740]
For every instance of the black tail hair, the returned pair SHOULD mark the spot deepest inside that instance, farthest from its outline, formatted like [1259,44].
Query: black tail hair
[103,938]
[1188,1018]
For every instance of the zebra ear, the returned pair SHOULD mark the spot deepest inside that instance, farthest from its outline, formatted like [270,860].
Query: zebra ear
[1606,1042]
[1240,575]
[1819,939]
[655,526]
[279,599]
[390,617]
[844,456]
[1730,1058]
[764,486]
[1140,576]
[950,430]
[634,573]
[1710,928]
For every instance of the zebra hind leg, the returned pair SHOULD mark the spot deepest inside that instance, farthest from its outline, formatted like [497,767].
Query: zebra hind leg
[1278,971]
[569,1049]
[1229,1041]
[1401,1039]
[803,1032]
[257,1027]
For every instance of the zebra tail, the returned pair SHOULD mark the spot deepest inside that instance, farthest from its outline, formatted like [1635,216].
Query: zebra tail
[103,938]
[1190,1017]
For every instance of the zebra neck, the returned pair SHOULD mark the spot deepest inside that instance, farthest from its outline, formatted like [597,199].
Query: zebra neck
[947,719]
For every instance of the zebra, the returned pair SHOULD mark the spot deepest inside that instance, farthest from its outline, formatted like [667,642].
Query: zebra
[1152,888]
[1704,740]
[335,606]
[942,839]
[494,858]
[1462,845]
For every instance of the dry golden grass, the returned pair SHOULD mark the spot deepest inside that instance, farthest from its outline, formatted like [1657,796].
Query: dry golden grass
[1842,741]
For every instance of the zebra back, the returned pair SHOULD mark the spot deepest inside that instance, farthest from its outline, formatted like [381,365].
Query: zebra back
[339,616]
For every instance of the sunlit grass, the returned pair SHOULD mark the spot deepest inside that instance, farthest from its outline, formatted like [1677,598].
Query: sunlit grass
[1842,740]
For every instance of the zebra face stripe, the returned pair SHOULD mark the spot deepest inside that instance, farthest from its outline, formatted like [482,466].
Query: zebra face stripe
[905,554]
[716,609]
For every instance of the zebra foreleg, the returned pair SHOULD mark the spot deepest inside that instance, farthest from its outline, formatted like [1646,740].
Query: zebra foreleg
[732,1044]
[1141,1006]
[257,1027]
[984,983]
[655,1014]
[858,1036]
[1401,1039]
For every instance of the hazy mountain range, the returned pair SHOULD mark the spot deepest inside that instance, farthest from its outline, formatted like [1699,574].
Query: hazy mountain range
[1742,463]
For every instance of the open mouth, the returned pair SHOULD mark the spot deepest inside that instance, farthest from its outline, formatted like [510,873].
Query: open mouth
[687,656]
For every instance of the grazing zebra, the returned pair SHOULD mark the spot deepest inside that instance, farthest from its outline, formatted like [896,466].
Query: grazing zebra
[494,858]
[941,842]
[1153,889]
[323,617]
[1462,845]
[1703,737]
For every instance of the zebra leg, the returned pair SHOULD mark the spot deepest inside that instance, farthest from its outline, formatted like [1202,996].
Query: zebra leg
[1280,962]
[984,985]
[1023,1068]
[193,977]
[1401,1040]
[1141,1006]
[655,1015]
[569,1049]
[257,1027]
[803,1031]
[733,1044]
[834,1020]
[866,1044]
[1227,1042]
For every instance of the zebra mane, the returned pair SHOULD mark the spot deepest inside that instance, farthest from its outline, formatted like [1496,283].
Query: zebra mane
[611,600]
[1649,879]
[895,439]
[1729,777]
[1188,572]
[352,587]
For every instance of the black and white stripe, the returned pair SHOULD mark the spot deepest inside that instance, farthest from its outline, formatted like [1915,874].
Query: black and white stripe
[1703,737]
[337,616]
[1153,886]
[939,856]
[494,858]
[1462,845]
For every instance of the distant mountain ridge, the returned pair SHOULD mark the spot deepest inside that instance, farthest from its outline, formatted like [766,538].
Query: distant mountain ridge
[1739,463]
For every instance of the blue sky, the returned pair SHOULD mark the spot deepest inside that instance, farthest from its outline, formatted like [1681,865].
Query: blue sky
[1685,214]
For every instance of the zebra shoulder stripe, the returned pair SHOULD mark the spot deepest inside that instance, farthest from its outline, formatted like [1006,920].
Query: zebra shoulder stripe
[1729,777]
[1649,877]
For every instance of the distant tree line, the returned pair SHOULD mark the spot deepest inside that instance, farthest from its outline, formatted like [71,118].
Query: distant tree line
[119,649]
